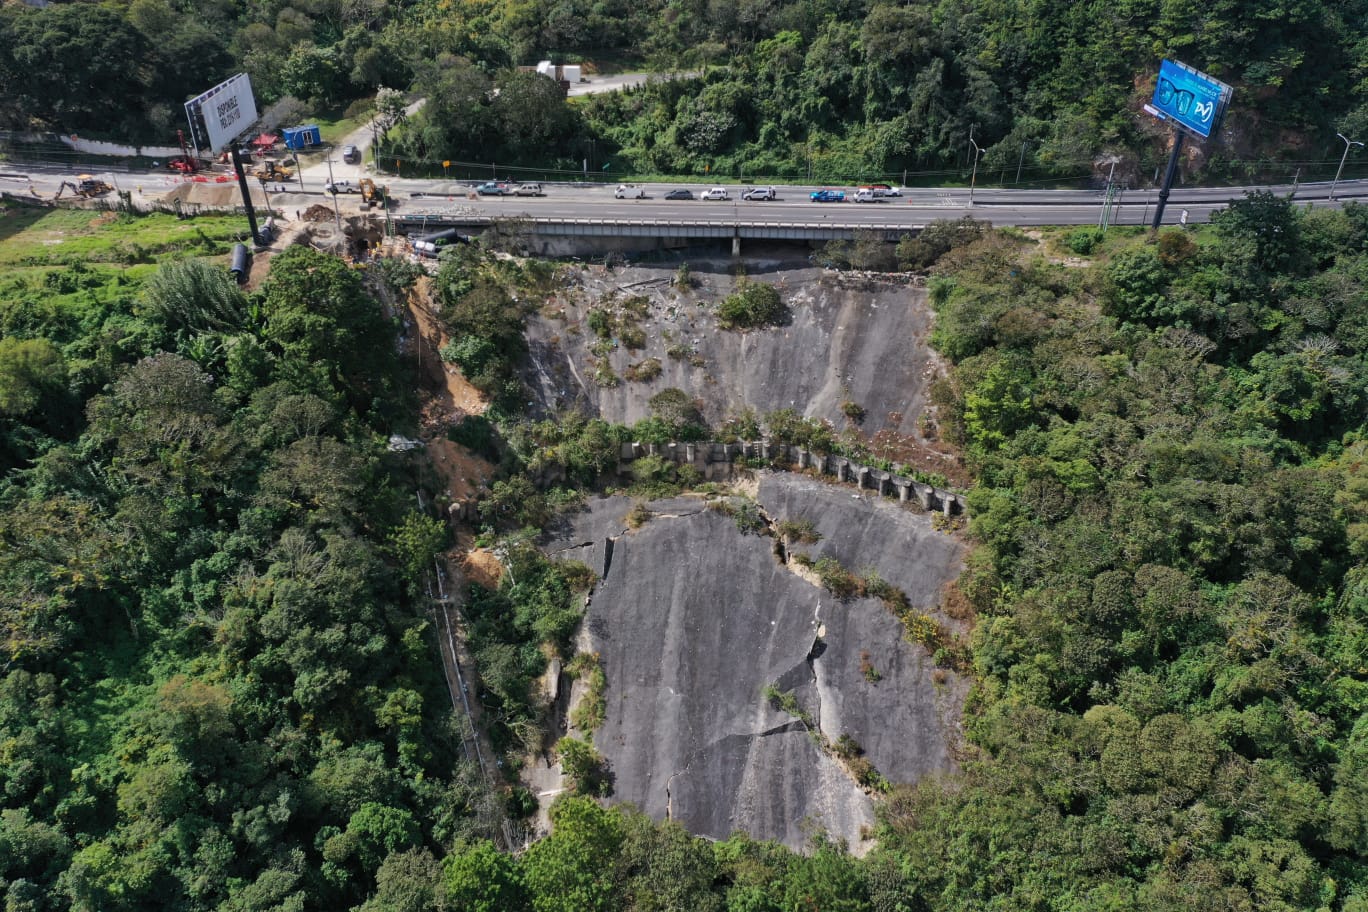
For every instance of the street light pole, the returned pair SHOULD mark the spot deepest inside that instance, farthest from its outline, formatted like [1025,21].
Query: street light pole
[973,178]
[1347,143]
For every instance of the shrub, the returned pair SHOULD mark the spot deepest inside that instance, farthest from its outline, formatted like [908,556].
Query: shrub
[854,411]
[1084,241]
[837,580]
[753,305]
[644,372]
[475,433]
[798,530]
[638,516]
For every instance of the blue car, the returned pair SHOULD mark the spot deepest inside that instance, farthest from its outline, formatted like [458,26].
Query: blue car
[827,196]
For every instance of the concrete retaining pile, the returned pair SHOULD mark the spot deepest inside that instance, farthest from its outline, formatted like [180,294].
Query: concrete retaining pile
[714,462]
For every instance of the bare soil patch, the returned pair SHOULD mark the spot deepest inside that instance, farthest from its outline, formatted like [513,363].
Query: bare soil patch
[483,568]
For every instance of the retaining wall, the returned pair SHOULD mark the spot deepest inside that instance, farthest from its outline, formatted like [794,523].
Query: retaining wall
[714,461]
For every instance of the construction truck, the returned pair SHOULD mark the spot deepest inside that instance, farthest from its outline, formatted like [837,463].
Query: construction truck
[371,195]
[85,187]
[271,170]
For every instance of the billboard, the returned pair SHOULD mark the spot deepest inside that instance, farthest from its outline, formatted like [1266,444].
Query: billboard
[1191,99]
[221,114]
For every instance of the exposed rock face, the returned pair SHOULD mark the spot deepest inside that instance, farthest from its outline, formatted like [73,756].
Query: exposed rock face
[845,341]
[692,620]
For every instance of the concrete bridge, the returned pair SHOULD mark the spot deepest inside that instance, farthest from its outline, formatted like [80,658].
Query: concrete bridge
[557,234]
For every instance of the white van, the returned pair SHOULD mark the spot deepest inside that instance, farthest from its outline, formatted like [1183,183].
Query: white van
[629,191]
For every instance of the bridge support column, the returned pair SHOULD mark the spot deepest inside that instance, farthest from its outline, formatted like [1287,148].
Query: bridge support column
[736,245]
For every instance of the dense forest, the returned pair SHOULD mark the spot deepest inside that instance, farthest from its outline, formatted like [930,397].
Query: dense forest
[219,687]
[826,89]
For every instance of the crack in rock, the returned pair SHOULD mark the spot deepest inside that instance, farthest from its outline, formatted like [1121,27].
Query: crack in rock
[785,728]
[608,544]
[577,547]
[815,653]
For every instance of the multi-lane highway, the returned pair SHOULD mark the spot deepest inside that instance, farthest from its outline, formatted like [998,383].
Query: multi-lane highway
[577,200]
[914,207]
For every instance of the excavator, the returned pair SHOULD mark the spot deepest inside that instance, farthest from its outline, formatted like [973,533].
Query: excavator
[371,195]
[85,187]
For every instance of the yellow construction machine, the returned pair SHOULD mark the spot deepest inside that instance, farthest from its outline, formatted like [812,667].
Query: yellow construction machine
[272,170]
[371,195]
[85,187]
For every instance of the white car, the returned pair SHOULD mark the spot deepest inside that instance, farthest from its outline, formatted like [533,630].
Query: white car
[629,192]
[528,190]
[759,193]
[341,186]
[716,193]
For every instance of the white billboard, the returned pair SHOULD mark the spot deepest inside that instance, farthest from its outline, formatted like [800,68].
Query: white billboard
[221,114]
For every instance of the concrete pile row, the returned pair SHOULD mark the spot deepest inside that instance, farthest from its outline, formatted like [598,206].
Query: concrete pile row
[714,462]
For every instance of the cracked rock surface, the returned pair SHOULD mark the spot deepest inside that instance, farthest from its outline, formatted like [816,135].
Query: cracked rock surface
[861,529]
[845,340]
[693,620]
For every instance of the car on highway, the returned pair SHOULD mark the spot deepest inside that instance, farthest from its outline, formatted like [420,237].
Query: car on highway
[494,188]
[629,191]
[351,155]
[881,190]
[760,193]
[340,186]
[716,193]
[679,195]
[827,196]
[865,195]
[528,190]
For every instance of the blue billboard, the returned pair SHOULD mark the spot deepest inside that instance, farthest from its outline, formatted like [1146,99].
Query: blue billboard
[1191,99]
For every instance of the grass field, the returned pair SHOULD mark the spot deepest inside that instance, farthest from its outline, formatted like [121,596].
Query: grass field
[64,271]
[36,237]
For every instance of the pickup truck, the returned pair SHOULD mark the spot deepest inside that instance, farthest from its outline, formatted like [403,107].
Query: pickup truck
[827,196]
[493,188]
[528,190]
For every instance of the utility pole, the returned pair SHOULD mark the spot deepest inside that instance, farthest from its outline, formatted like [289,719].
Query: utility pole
[299,172]
[1020,159]
[337,216]
[1347,143]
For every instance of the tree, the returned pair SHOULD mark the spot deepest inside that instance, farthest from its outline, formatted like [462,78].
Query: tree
[417,541]
[410,881]
[574,869]
[320,318]
[480,878]
[196,295]
[1267,225]
[31,370]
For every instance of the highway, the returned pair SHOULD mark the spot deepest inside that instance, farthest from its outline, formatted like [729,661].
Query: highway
[576,200]
[914,208]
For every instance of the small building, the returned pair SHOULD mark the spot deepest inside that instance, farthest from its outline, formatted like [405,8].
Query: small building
[302,137]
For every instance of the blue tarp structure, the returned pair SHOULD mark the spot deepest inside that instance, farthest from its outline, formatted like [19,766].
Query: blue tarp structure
[302,137]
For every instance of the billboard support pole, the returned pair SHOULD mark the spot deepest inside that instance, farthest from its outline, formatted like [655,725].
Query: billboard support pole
[246,195]
[1169,174]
